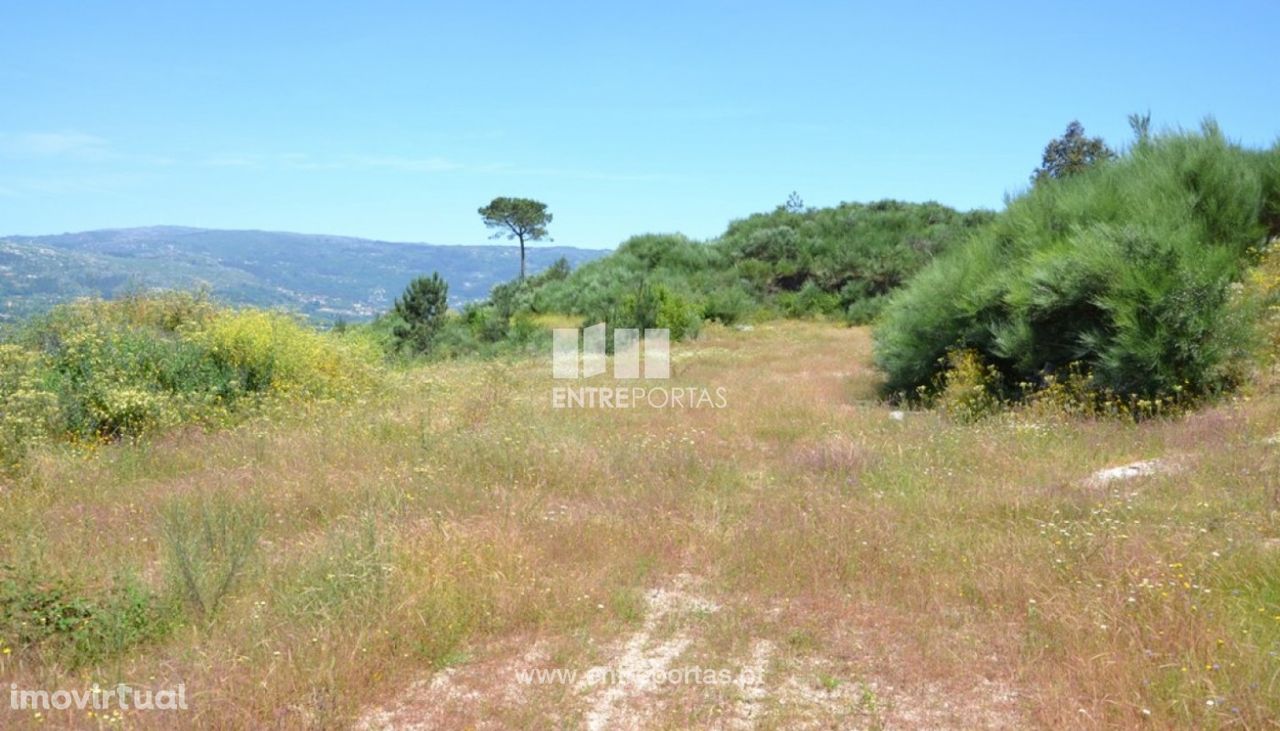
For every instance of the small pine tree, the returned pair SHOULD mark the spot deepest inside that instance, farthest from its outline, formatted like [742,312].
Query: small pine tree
[421,311]
[1071,154]
[558,270]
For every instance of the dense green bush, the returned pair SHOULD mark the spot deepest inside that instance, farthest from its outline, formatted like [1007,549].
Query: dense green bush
[840,261]
[669,262]
[833,262]
[1126,269]
[650,306]
[728,305]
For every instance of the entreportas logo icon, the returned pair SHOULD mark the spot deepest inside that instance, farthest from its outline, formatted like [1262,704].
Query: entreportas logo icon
[581,354]
[627,346]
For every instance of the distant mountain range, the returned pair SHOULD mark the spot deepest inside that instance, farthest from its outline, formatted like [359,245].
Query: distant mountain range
[325,277]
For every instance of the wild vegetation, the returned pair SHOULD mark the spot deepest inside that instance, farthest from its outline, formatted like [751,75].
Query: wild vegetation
[793,262]
[921,572]
[358,528]
[834,263]
[95,371]
[1074,153]
[420,313]
[1129,271]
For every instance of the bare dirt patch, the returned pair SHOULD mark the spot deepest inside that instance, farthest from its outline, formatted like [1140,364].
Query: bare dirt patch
[629,686]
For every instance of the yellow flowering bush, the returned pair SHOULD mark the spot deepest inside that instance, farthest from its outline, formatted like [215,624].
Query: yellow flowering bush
[1074,392]
[970,387]
[27,409]
[274,352]
[122,411]
[163,311]
[1259,295]
[103,370]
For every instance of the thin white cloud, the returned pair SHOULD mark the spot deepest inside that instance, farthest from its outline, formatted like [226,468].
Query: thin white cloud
[304,161]
[575,174]
[406,163]
[58,142]
[412,164]
[73,146]
[62,145]
[96,183]
[231,161]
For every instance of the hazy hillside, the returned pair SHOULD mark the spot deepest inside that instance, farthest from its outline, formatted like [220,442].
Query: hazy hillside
[323,276]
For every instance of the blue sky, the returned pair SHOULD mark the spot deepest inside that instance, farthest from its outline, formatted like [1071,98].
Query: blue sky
[398,120]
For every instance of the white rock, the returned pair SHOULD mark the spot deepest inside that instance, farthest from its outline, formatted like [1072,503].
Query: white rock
[1145,468]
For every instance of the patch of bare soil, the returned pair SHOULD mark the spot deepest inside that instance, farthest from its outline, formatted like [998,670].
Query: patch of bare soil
[630,687]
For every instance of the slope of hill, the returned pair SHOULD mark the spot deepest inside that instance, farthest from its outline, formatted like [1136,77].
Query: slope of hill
[325,277]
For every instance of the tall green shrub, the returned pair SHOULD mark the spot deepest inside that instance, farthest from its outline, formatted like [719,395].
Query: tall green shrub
[421,311]
[1125,269]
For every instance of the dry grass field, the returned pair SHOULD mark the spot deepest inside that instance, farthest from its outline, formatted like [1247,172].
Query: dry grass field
[800,558]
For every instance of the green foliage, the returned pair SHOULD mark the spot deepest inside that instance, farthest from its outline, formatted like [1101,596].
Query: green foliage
[276,353]
[503,324]
[728,304]
[59,617]
[421,311]
[969,389]
[99,370]
[27,406]
[795,261]
[677,264]
[1073,152]
[517,296]
[810,301]
[517,218]
[1258,301]
[210,542]
[487,323]
[1125,269]
[125,367]
[855,252]
[657,307]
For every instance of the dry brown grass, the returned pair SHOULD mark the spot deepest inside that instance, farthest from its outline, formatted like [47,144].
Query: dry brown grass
[915,573]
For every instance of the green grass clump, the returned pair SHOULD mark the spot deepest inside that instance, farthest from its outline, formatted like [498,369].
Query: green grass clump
[210,543]
[1126,271]
[62,621]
